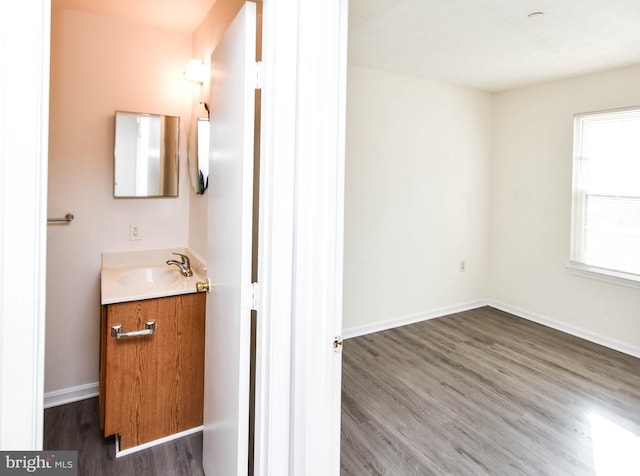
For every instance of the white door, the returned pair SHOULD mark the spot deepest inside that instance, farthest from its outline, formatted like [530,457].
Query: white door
[228,327]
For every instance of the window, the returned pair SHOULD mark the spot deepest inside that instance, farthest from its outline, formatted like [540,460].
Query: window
[605,231]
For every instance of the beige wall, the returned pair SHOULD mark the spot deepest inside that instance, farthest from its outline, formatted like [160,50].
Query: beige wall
[531,208]
[100,66]
[417,197]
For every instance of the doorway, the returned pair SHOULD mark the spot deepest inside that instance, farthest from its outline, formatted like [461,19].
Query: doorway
[316,231]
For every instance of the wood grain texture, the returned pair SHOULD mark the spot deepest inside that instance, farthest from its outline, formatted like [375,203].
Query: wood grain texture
[75,427]
[154,385]
[480,393]
[103,361]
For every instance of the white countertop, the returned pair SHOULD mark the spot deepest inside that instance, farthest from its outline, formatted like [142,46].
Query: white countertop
[116,265]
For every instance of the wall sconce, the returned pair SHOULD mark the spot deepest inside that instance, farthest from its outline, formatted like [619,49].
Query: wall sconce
[196,71]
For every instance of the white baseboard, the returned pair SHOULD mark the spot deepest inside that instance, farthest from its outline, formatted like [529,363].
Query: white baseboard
[350,332]
[70,395]
[356,331]
[568,329]
[144,446]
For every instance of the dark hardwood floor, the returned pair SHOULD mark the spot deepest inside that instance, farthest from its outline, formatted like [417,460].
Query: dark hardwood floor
[475,393]
[76,426]
[486,393]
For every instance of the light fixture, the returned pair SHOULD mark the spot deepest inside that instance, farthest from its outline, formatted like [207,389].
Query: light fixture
[195,71]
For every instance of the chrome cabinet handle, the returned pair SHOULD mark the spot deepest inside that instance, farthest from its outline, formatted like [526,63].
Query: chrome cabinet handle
[149,328]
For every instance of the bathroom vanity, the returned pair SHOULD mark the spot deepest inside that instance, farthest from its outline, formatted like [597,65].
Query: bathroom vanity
[151,353]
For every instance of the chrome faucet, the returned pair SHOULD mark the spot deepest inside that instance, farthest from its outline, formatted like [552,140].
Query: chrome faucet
[184,264]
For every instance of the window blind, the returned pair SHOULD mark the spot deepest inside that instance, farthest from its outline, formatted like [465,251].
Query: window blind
[605,226]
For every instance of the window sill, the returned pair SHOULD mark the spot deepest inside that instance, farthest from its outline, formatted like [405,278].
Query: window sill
[606,275]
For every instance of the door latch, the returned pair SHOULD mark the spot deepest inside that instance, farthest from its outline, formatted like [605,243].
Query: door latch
[337,344]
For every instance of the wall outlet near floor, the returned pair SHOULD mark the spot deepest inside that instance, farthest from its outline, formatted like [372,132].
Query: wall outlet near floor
[463,266]
[134,232]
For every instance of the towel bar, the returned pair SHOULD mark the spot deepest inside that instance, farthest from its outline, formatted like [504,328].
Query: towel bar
[67,218]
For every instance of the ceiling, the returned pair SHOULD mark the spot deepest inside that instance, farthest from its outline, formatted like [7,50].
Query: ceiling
[489,45]
[176,15]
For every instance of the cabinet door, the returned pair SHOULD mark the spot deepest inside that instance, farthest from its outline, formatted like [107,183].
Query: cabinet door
[154,384]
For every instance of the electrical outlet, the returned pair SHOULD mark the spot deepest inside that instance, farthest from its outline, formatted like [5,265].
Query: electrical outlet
[463,266]
[134,232]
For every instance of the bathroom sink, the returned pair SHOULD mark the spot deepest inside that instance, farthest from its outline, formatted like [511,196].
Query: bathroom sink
[134,276]
[149,276]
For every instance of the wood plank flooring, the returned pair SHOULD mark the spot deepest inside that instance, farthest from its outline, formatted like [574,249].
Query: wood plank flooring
[484,393]
[76,426]
[475,393]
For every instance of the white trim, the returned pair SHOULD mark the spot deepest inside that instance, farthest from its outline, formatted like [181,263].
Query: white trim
[24,94]
[572,330]
[71,394]
[340,29]
[300,247]
[159,441]
[317,271]
[275,236]
[606,275]
[356,331]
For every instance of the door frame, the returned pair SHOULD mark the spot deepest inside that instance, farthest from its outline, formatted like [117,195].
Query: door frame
[24,139]
[301,237]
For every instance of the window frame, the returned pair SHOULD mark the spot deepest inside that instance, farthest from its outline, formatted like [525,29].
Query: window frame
[579,198]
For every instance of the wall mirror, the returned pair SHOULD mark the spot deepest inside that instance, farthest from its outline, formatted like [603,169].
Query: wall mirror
[199,149]
[146,155]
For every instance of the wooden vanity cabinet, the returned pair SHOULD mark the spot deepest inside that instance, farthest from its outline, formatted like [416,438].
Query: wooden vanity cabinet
[152,386]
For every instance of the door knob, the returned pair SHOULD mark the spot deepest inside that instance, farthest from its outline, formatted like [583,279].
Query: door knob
[203,287]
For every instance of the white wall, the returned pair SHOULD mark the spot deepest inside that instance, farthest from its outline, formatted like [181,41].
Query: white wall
[417,196]
[99,66]
[531,208]
[423,158]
